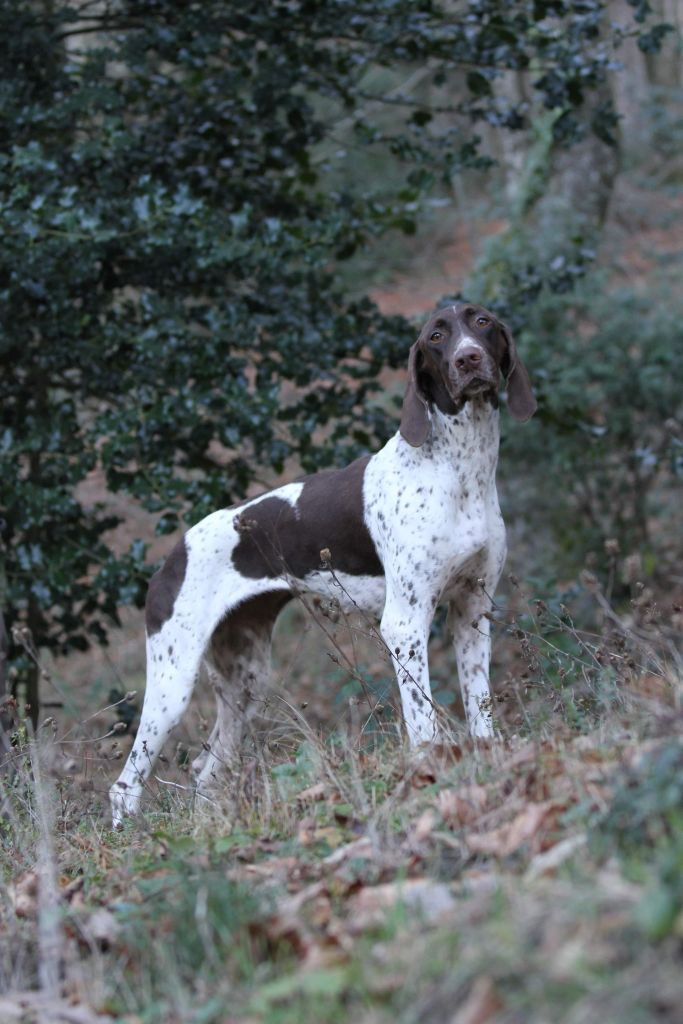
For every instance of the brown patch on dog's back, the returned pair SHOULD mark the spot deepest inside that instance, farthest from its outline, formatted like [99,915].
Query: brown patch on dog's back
[164,588]
[277,538]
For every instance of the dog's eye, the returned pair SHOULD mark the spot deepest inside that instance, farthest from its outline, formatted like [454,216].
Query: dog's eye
[482,321]
[436,336]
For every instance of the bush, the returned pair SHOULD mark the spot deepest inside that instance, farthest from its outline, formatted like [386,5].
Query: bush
[607,442]
[644,826]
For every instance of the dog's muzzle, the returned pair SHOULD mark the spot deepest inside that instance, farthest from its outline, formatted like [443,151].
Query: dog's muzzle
[472,373]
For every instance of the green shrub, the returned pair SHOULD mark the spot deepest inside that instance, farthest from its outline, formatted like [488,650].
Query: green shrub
[607,444]
[644,827]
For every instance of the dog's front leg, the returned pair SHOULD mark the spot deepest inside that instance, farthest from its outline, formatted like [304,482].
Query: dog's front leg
[405,630]
[472,642]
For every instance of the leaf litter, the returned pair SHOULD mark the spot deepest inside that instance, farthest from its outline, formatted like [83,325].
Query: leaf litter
[459,851]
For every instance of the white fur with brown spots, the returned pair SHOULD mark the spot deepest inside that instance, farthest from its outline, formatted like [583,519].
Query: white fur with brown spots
[415,525]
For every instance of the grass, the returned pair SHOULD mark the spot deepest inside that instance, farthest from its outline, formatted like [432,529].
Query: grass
[535,879]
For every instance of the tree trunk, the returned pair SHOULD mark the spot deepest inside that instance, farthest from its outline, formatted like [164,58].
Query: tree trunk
[583,175]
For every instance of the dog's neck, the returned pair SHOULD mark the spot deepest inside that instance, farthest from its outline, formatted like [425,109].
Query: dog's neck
[472,434]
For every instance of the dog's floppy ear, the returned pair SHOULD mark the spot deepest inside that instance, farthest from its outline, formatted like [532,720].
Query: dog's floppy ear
[415,413]
[521,401]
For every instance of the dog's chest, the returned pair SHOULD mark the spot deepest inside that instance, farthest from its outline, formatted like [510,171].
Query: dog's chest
[428,517]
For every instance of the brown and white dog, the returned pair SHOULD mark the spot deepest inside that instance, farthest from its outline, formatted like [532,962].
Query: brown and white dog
[415,525]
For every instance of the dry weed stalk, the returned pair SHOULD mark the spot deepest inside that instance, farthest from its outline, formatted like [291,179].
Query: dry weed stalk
[50,935]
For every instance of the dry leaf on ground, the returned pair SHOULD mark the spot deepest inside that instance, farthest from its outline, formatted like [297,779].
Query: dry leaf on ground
[289,922]
[462,806]
[283,869]
[23,894]
[427,899]
[362,848]
[312,794]
[481,1005]
[429,765]
[310,832]
[101,929]
[38,1008]
[524,828]
[527,753]
[547,862]
[424,826]
[306,921]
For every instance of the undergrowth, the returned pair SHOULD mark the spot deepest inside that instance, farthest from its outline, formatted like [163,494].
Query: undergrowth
[341,876]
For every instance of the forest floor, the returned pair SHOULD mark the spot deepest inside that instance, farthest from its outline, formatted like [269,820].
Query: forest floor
[534,880]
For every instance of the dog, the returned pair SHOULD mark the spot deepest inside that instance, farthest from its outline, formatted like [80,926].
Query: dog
[393,534]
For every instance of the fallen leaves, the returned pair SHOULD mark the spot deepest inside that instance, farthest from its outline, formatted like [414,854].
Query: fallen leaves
[449,840]
[431,763]
[100,929]
[312,794]
[40,1008]
[95,929]
[481,1005]
[279,869]
[548,861]
[23,894]
[359,849]
[528,828]
[310,833]
[514,817]
[422,898]
[424,826]
[462,806]
[296,918]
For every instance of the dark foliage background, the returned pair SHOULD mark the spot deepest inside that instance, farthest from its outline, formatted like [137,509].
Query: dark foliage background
[181,188]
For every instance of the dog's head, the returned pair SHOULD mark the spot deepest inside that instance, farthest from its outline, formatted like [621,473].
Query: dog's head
[459,357]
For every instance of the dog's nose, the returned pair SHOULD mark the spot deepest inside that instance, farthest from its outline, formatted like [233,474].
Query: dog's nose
[468,358]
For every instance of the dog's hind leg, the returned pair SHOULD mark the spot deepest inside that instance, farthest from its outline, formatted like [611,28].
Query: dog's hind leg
[170,681]
[238,663]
